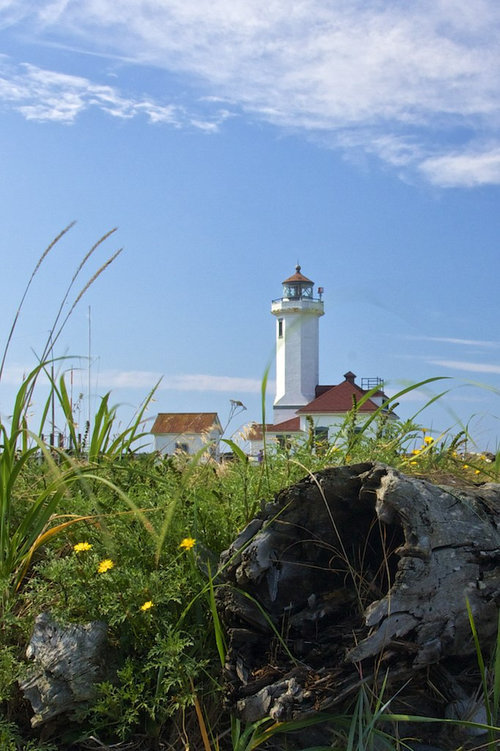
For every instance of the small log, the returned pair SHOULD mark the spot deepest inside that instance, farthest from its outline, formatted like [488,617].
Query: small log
[68,662]
[352,571]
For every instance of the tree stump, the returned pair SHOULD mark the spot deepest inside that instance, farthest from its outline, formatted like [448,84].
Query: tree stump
[354,571]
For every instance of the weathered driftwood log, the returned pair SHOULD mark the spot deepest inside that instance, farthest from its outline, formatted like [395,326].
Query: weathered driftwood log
[350,572]
[68,662]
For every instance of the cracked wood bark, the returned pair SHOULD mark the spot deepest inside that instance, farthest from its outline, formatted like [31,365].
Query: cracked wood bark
[353,570]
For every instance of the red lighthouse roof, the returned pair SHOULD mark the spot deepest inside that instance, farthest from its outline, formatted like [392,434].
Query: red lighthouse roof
[297,277]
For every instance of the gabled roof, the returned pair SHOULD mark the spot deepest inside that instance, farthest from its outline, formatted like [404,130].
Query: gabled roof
[338,399]
[185,422]
[287,426]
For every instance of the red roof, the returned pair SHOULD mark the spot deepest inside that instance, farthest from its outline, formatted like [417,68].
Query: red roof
[338,399]
[297,277]
[287,426]
[185,422]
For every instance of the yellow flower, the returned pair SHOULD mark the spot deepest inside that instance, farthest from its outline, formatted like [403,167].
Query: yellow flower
[105,565]
[147,605]
[187,543]
[466,466]
[81,546]
[414,464]
[415,452]
[477,472]
[428,439]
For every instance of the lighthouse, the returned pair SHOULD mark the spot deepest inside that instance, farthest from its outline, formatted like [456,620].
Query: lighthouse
[297,345]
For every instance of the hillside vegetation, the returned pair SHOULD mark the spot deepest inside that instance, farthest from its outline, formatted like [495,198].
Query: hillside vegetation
[102,532]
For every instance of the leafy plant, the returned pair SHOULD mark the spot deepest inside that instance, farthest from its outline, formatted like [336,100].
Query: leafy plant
[103,443]
[22,535]
[108,533]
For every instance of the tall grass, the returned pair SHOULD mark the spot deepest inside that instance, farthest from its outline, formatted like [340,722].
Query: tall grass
[22,534]
[63,512]
[170,653]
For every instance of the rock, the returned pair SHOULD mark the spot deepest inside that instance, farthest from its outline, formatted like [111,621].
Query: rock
[68,662]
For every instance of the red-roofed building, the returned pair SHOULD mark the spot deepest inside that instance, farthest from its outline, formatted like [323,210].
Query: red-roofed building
[340,399]
[188,432]
[327,412]
[301,403]
[253,435]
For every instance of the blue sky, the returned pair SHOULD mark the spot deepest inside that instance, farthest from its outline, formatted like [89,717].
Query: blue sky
[229,140]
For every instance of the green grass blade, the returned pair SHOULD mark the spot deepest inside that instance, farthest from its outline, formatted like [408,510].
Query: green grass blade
[496,676]
[237,451]
[218,630]
[480,660]
[387,404]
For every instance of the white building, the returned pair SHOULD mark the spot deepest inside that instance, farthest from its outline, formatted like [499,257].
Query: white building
[301,403]
[187,432]
[297,345]
[327,412]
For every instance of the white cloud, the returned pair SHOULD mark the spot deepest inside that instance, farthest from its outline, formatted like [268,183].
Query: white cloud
[14,375]
[145,379]
[451,340]
[398,80]
[189,382]
[469,168]
[473,367]
[421,397]
[46,95]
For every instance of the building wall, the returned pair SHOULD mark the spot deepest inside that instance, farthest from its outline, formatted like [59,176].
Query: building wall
[191,443]
[333,422]
[297,355]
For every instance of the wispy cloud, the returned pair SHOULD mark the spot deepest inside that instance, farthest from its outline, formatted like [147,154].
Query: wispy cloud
[470,167]
[189,382]
[415,84]
[146,379]
[14,375]
[488,344]
[46,95]
[471,367]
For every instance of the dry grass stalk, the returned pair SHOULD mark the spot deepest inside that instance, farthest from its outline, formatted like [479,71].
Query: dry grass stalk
[33,274]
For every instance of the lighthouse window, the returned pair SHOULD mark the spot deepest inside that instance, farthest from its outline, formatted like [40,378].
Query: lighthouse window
[280,328]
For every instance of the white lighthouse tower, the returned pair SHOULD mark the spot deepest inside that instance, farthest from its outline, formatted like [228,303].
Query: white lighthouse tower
[297,345]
